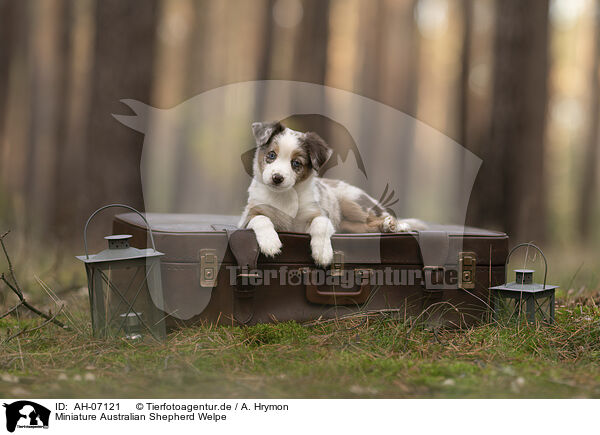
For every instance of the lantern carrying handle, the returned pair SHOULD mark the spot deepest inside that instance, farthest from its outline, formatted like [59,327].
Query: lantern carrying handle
[109,206]
[520,246]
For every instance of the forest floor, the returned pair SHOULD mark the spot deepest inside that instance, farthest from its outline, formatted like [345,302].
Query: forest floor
[369,357]
[375,356]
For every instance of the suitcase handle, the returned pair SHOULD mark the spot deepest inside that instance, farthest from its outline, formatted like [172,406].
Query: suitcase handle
[342,296]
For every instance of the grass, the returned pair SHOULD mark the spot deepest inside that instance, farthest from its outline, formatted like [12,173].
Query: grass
[376,356]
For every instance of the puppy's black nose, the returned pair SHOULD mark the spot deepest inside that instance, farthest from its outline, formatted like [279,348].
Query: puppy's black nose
[277,178]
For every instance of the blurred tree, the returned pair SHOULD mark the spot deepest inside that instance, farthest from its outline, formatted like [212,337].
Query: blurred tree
[407,99]
[310,47]
[8,22]
[509,192]
[371,36]
[463,88]
[372,26]
[16,116]
[310,51]
[263,64]
[391,64]
[199,47]
[123,68]
[463,91]
[49,52]
[77,43]
[589,181]
[174,54]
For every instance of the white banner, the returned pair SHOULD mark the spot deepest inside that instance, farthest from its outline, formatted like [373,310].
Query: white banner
[77,416]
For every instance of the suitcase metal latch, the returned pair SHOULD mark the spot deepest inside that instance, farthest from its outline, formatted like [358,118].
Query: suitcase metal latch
[337,265]
[467,262]
[209,267]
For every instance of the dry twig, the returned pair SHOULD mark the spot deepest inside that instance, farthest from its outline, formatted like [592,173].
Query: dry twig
[16,288]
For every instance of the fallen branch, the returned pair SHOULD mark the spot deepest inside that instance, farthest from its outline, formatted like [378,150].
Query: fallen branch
[14,286]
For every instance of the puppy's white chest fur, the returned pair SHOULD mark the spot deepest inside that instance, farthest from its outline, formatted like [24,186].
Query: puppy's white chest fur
[286,202]
[295,207]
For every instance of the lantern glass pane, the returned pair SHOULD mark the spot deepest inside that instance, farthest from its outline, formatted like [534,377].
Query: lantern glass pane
[543,309]
[122,305]
[514,307]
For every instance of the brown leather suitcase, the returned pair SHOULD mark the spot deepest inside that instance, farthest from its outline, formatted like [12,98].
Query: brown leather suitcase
[213,272]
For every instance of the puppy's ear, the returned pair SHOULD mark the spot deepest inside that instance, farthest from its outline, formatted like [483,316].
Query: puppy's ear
[264,131]
[248,160]
[318,151]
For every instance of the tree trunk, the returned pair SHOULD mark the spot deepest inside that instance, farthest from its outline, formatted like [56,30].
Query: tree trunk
[8,18]
[510,185]
[463,93]
[371,28]
[48,60]
[310,50]
[310,53]
[123,68]
[588,189]
[396,47]
[77,42]
[263,63]
[14,158]
[409,105]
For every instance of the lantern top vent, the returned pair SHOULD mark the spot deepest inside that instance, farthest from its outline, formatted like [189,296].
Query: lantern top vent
[120,241]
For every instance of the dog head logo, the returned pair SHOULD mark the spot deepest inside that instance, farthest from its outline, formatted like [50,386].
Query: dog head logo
[26,414]
[190,159]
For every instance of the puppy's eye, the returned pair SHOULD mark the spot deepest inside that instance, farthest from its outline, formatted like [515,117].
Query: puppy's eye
[296,164]
[271,155]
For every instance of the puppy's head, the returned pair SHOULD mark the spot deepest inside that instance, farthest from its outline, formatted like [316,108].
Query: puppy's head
[285,157]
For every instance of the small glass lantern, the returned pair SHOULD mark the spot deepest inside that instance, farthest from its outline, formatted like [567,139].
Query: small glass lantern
[125,287]
[523,297]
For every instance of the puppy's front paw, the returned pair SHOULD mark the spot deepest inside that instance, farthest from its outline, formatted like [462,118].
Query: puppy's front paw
[322,251]
[269,243]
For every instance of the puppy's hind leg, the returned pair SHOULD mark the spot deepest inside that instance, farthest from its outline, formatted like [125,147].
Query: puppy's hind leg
[321,229]
[412,225]
[392,225]
[389,224]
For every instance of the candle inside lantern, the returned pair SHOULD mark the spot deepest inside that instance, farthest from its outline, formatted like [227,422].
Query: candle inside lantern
[133,325]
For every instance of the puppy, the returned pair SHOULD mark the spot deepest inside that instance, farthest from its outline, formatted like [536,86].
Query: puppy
[286,194]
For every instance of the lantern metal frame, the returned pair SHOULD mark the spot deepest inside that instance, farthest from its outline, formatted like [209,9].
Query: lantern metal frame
[96,267]
[528,294]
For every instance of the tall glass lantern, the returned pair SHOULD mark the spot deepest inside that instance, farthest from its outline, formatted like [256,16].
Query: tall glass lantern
[125,287]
